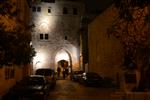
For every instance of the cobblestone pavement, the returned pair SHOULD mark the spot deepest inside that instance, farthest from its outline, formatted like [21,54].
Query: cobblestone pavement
[69,90]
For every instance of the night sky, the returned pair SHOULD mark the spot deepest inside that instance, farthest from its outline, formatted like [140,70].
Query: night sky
[97,5]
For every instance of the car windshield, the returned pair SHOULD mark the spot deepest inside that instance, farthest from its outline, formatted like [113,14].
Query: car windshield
[35,81]
[78,72]
[44,72]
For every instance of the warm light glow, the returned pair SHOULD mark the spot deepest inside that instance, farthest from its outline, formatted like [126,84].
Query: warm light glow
[44,27]
[39,57]
[62,55]
[45,23]
[74,54]
[39,60]
[30,43]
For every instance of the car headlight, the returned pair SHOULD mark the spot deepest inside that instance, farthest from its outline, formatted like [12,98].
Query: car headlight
[85,78]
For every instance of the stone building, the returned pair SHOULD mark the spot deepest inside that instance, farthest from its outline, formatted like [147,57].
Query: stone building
[105,50]
[55,35]
[9,75]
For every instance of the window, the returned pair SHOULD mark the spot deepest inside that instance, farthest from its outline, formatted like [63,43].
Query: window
[9,72]
[65,37]
[65,10]
[41,36]
[49,10]
[49,1]
[75,11]
[39,9]
[46,36]
[34,9]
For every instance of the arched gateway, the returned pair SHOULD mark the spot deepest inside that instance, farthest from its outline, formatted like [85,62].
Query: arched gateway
[63,60]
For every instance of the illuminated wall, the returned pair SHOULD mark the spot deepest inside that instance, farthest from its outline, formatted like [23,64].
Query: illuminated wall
[105,51]
[55,35]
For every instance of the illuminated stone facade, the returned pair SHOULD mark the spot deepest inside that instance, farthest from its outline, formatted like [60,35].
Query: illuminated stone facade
[55,36]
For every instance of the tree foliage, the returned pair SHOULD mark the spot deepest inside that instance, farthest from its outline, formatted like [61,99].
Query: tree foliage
[132,28]
[14,38]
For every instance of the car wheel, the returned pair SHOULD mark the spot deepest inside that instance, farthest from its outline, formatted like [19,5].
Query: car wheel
[42,97]
[46,93]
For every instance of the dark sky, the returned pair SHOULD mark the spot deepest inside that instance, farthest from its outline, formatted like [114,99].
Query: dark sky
[97,5]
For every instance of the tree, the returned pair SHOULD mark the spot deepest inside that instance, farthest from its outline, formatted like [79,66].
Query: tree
[15,40]
[132,28]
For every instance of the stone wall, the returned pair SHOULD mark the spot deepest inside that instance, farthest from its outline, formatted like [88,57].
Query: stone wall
[62,30]
[105,51]
[7,80]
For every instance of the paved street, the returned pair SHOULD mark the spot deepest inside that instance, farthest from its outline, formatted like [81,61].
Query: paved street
[68,90]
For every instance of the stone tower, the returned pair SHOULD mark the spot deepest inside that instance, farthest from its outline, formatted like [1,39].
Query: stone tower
[55,35]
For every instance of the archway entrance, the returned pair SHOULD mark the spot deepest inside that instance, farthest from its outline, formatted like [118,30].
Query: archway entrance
[64,68]
[64,62]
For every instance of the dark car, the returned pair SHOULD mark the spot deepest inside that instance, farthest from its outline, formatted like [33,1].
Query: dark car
[49,75]
[76,75]
[91,79]
[33,85]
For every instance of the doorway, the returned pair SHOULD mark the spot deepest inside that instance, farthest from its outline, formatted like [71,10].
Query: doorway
[64,69]
[63,62]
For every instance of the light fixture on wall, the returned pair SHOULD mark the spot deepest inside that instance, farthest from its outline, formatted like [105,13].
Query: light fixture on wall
[44,27]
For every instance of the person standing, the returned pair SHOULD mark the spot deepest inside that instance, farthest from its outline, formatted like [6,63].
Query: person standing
[64,73]
[58,71]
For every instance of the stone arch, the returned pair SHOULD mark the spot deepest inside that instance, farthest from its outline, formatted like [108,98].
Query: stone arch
[62,53]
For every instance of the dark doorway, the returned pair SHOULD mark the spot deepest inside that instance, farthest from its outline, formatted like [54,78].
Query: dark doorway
[63,64]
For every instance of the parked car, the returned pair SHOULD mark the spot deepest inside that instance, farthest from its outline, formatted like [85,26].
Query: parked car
[49,75]
[33,85]
[76,75]
[108,82]
[91,79]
